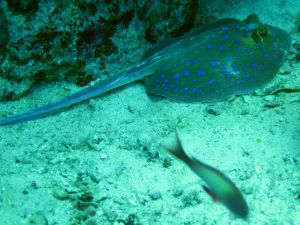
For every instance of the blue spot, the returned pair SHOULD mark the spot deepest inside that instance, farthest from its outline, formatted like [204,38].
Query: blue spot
[239,81]
[254,74]
[228,75]
[196,61]
[177,82]
[246,68]
[188,62]
[176,90]
[214,63]
[222,47]
[194,89]
[239,48]
[209,46]
[266,55]
[249,51]
[238,41]
[223,68]
[199,91]
[163,85]
[253,64]
[162,75]
[225,28]
[247,75]
[201,73]
[185,89]
[176,76]
[246,35]
[171,86]
[211,81]
[235,68]
[226,36]
[194,80]
[237,26]
[186,73]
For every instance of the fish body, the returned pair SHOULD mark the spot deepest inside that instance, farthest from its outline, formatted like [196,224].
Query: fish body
[228,57]
[220,187]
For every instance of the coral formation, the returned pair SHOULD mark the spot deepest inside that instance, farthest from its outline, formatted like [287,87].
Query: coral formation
[72,41]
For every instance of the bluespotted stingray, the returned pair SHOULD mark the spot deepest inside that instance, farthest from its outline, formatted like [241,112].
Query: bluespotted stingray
[228,57]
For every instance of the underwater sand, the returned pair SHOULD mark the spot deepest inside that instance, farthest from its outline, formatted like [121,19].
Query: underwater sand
[101,162]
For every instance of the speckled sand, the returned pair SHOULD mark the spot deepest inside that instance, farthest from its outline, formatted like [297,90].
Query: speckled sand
[101,162]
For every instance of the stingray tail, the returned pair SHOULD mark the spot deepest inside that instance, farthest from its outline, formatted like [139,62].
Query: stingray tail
[101,87]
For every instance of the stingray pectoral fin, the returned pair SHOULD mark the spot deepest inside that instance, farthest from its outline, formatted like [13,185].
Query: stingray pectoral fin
[220,187]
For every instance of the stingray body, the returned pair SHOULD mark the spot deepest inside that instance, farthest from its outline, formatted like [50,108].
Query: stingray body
[228,57]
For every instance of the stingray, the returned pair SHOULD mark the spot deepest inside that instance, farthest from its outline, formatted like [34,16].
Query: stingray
[226,58]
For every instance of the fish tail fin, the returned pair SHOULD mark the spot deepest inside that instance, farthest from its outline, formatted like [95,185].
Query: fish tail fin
[173,146]
[98,88]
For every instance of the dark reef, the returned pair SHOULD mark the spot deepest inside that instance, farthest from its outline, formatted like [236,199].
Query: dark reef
[78,41]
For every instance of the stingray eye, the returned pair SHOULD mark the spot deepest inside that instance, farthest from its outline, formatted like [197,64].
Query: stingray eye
[262,31]
[259,34]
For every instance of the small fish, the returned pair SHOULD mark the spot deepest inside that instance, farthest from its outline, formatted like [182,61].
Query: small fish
[220,187]
[228,57]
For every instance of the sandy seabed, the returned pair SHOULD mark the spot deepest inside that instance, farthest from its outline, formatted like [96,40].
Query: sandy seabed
[101,162]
